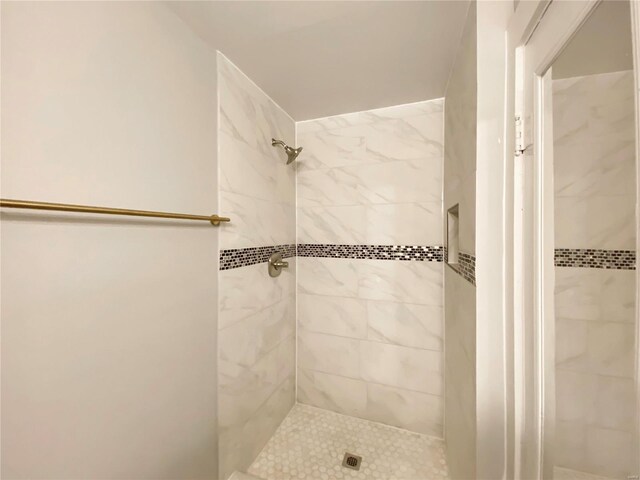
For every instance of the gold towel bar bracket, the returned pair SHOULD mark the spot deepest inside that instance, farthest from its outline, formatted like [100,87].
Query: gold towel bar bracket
[63,207]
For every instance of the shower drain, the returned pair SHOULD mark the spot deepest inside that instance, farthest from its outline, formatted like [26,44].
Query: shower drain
[351,461]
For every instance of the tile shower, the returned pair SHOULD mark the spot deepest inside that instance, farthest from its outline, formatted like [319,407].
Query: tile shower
[355,325]
[353,334]
[367,270]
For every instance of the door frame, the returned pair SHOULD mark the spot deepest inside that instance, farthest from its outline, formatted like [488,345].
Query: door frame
[537,34]
[635,33]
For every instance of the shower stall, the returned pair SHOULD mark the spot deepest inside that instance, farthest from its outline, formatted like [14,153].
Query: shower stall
[354,325]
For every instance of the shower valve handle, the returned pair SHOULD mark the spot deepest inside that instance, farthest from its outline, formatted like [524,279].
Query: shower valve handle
[276,264]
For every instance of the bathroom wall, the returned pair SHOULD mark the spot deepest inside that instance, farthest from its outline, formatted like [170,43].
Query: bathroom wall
[108,323]
[256,337]
[370,265]
[595,228]
[459,279]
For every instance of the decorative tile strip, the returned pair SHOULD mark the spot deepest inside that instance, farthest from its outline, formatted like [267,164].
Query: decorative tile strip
[243,257]
[595,258]
[416,253]
[466,266]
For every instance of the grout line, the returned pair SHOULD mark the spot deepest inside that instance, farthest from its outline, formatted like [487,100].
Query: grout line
[360,379]
[257,312]
[307,330]
[373,299]
[404,430]
[369,205]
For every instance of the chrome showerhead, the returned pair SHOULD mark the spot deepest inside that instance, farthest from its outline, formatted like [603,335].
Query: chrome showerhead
[292,153]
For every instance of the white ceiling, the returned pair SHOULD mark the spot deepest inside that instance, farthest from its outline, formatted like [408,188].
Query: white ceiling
[602,44]
[321,58]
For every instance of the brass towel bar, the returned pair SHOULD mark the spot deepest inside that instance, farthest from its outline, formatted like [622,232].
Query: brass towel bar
[63,207]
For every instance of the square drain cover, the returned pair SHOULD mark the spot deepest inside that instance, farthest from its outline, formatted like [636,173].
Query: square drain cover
[351,461]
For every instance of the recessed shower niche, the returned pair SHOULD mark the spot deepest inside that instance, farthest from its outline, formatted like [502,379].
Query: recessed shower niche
[453,238]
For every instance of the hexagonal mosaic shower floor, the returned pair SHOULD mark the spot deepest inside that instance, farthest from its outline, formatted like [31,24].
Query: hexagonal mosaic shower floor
[310,444]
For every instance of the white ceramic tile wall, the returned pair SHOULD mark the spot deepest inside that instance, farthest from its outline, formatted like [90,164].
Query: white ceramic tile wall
[460,295]
[370,331]
[256,339]
[594,172]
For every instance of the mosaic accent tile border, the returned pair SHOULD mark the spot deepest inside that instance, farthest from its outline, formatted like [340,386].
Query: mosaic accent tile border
[466,266]
[407,253]
[243,257]
[595,258]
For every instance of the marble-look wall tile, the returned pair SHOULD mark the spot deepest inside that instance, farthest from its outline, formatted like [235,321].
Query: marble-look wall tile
[329,354]
[594,182]
[404,132]
[413,137]
[244,388]
[406,324]
[460,373]
[400,181]
[257,188]
[610,452]
[459,188]
[588,108]
[327,276]
[342,316]
[236,301]
[247,113]
[603,222]
[339,147]
[332,392]
[370,331]
[418,223]
[571,441]
[595,168]
[407,368]
[594,161]
[244,170]
[600,451]
[247,340]
[598,400]
[404,282]
[414,411]
[344,225]
[604,348]
[257,313]
[370,116]
[256,222]
[409,409]
[241,443]
[595,294]
[410,282]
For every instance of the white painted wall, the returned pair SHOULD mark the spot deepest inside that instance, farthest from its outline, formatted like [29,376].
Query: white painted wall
[108,325]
